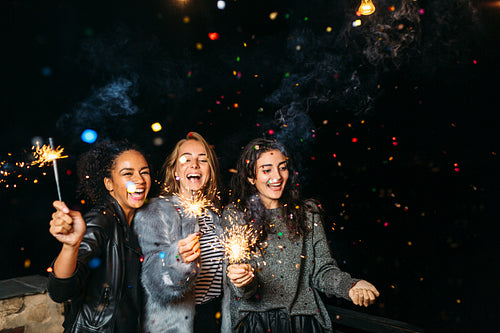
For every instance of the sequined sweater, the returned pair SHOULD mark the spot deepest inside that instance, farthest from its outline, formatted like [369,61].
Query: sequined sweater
[289,272]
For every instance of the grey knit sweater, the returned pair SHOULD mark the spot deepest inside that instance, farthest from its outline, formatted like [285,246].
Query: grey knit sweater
[290,272]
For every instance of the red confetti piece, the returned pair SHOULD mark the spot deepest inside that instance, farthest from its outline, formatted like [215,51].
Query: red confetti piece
[213,36]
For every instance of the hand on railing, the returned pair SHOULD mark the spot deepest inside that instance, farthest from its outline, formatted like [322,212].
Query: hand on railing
[363,293]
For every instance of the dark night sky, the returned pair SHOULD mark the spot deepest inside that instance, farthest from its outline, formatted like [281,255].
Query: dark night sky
[393,124]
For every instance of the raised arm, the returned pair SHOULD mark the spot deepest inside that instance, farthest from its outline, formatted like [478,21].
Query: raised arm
[68,227]
[81,244]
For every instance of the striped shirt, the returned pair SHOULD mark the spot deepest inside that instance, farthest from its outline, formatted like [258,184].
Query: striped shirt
[209,282]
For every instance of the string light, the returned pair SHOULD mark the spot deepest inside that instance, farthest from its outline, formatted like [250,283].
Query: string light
[366,8]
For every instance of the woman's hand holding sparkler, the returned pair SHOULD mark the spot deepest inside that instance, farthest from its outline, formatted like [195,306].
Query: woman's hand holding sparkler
[189,247]
[68,227]
[240,274]
[363,293]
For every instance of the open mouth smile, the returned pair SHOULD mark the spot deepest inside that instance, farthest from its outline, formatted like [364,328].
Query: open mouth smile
[193,177]
[274,186]
[138,194]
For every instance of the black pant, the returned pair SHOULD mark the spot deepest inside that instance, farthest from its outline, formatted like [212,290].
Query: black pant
[208,317]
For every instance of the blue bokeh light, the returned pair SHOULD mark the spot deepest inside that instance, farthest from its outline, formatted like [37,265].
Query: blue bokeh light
[89,136]
[94,263]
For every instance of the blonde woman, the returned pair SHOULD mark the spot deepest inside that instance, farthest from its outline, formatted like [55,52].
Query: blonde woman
[182,269]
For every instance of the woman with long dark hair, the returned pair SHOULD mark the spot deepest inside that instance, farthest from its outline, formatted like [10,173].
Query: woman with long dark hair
[278,290]
[97,271]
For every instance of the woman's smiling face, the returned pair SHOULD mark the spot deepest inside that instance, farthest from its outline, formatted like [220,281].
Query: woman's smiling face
[271,175]
[192,168]
[130,181]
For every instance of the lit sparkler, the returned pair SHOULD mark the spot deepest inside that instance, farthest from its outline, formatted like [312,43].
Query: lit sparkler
[196,205]
[238,241]
[46,154]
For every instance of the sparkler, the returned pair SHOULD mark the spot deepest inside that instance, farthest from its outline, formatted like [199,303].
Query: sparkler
[46,154]
[196,205]
[238,241]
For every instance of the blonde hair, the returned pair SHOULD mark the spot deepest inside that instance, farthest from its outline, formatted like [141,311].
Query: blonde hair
[171,185]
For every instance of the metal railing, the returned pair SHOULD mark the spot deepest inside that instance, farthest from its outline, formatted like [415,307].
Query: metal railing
[349,321]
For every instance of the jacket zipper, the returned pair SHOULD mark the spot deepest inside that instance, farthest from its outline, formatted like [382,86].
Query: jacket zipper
[103,304]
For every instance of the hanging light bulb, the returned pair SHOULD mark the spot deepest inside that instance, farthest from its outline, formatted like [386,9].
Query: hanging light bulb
[366,7]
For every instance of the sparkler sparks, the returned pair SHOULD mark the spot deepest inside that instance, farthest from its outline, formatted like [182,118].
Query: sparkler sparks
[238,241]
[44,155]
[196,205]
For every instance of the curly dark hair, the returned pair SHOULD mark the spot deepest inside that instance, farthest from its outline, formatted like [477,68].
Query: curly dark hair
[96,164]
[245,194]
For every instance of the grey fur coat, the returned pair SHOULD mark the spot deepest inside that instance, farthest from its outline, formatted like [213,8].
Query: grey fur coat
[169,282]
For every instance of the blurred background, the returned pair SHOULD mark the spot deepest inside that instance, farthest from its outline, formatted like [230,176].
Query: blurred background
[392,119]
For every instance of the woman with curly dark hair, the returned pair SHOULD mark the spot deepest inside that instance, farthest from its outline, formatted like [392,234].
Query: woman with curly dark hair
[97,271]
[278,290]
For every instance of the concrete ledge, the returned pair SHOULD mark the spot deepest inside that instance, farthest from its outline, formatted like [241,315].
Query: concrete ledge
[22,286]
[25,306]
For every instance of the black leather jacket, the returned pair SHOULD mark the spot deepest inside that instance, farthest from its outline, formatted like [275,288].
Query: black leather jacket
[97,286]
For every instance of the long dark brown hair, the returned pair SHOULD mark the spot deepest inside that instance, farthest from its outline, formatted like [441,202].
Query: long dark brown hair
[246,196]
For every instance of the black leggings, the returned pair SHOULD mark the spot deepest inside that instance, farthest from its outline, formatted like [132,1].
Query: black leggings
[208,316]
[278,321]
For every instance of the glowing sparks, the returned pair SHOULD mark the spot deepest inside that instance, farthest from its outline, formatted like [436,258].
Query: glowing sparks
[44,155]
[238,241]
[195,206]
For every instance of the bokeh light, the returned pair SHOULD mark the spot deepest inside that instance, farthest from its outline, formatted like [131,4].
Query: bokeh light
[213,35]
[89,136]
[221,4]
[94,263]
[131,187]
[156,127]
